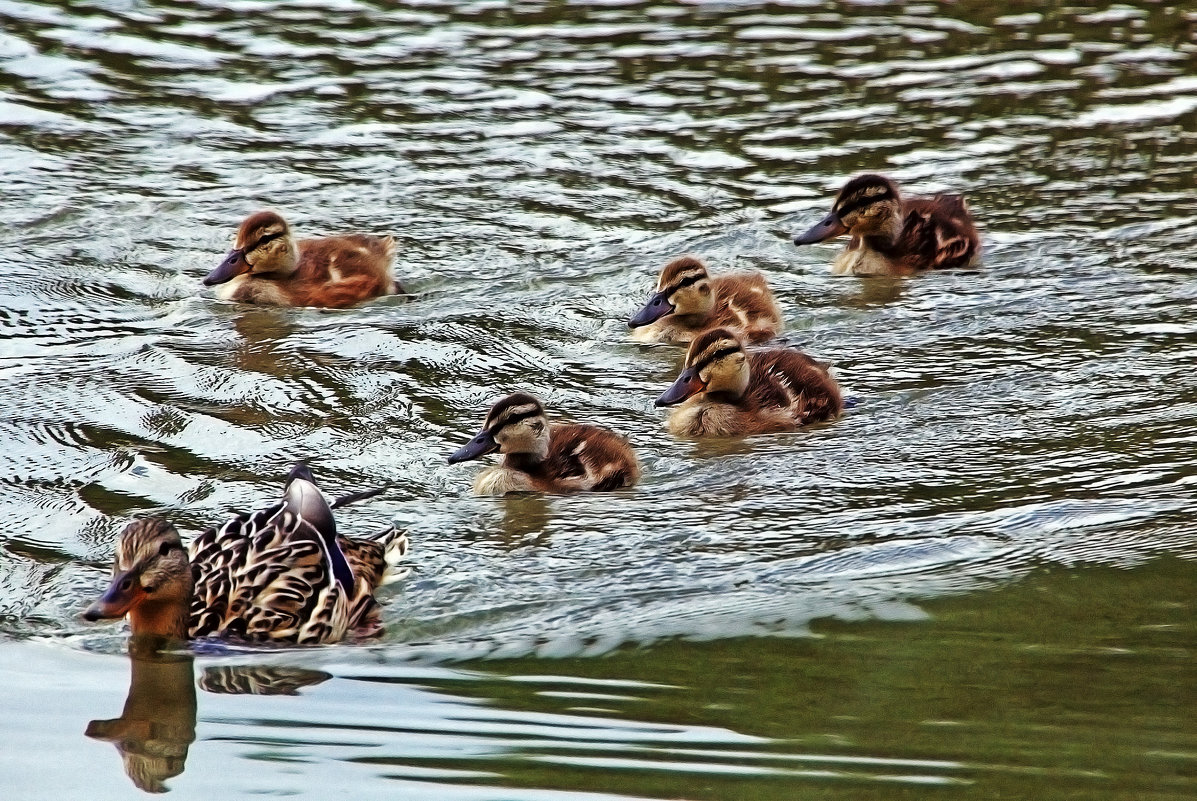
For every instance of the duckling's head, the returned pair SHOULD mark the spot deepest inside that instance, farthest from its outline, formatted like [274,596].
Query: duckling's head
[684,289]
[716,365]
[868,205]
[264,246]
[515,425]
[151,580]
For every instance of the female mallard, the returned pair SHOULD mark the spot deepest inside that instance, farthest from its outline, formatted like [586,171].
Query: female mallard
[688,301]
[280,574]
[546,458]
[267,265]
[896,236]
[728,391]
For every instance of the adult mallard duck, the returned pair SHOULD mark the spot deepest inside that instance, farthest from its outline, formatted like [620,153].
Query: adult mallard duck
[688,301]
[279,574]
[728,391]
[541,457]
[268,266]
[892,235]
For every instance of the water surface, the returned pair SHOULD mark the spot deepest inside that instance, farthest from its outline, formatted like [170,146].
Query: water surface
[1017,468]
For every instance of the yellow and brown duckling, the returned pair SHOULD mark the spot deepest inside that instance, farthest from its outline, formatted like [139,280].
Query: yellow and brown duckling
[543,457]
[280,574]
[892,235]
[268,266]
[688,301]
[725,390]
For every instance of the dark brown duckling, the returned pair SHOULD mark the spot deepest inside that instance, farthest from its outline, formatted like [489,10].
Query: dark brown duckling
[892,235]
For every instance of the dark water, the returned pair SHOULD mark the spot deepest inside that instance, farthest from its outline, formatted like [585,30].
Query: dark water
[979,582]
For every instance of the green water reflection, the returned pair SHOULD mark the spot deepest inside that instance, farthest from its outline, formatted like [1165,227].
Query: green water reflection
[1072,683]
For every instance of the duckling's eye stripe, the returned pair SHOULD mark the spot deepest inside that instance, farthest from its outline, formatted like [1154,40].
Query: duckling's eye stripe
[716,356]
[511,420]
[858,202]
[265,239]
[687,281]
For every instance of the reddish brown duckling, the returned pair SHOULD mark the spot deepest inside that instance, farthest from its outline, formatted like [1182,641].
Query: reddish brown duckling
[688,301]
[726,391]
[268,266]
[541,457]
[892,235]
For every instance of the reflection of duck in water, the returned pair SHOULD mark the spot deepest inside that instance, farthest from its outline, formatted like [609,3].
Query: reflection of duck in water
[279,574]
[892,235]
[157,725]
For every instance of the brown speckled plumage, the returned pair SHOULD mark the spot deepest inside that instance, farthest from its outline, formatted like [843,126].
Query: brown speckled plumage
[725,390]
[543,457]
[892,235]
[741,302]
[268,266]
[269,575]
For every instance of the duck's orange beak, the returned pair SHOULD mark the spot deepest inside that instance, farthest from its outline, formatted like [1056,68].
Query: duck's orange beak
[233,265]
[826,228]
[123,594]
[686,385]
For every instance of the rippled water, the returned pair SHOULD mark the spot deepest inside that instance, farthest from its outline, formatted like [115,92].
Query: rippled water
[1021,430]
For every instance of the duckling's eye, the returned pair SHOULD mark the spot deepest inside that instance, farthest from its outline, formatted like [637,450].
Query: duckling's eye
[165,548]
[266,240]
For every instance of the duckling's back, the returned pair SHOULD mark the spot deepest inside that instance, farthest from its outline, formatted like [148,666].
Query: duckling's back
[745,304]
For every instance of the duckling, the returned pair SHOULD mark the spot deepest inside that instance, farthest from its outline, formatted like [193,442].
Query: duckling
[896,236]
[280,574]
[268,266]
[728,391]
[541,457]
[688,301]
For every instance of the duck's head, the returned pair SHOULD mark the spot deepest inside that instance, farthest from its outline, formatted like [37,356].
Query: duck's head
[683,289]
[151,580]
[264,246]
[868,205]
[716,364]
[515,425]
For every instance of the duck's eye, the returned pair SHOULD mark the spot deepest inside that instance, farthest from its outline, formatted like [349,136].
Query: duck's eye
[165,548]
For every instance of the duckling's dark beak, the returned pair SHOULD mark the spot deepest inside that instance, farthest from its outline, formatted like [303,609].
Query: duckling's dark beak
[686,385]
[826,228]
[233,265]
[123,594]
[480,445]
[657,307]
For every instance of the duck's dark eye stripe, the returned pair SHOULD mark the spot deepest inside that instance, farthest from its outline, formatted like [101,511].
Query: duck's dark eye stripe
[265,239]
[687,281]
[716,356]
[513,419]
[858,203]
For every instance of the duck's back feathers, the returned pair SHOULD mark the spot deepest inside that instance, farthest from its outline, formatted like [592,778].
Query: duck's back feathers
[586,457]
[340,271]
[273,574]
[937,234]
[745,304]
[787,378]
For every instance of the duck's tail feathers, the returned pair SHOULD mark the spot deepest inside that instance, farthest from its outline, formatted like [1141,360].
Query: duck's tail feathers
[394,548]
